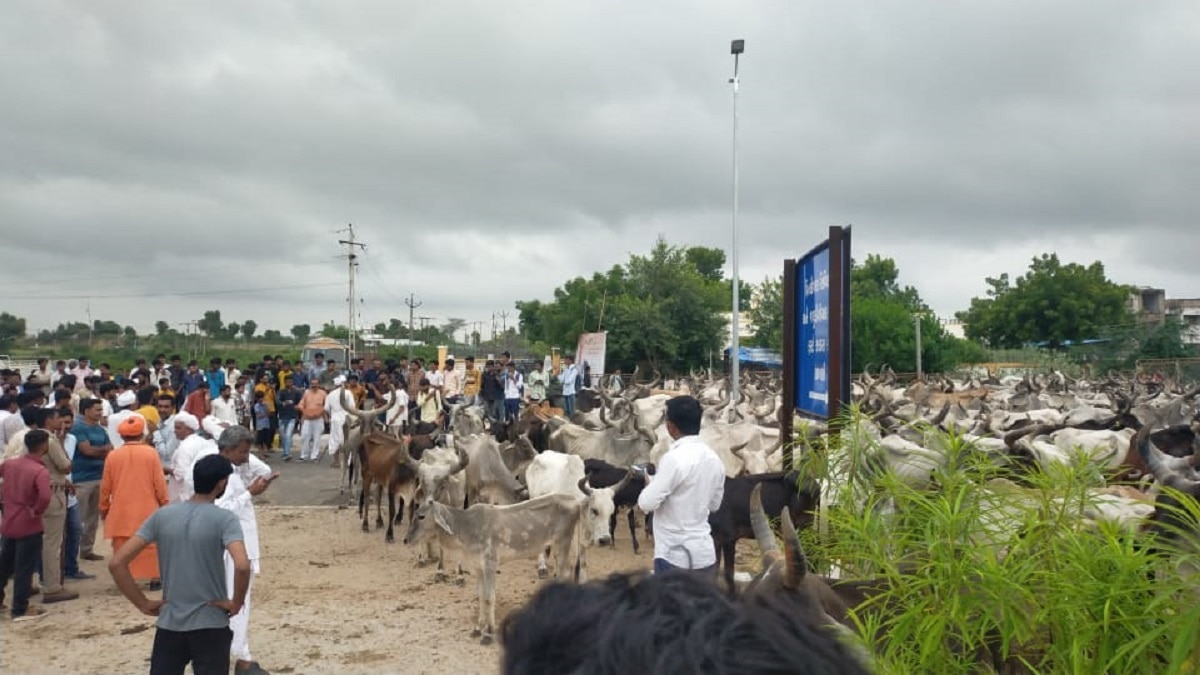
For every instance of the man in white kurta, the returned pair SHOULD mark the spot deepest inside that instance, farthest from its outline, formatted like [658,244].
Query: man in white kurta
[337,418]
[192,446]
[251,477]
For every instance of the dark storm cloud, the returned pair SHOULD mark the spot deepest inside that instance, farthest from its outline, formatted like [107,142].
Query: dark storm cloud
[488,152]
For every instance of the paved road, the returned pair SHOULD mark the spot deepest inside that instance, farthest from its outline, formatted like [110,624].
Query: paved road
[305,484]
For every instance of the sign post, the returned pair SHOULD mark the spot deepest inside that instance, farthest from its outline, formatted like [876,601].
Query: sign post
[816,334]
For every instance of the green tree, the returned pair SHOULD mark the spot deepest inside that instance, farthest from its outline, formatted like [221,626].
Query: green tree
[211,324]
[766,313]
[232,329]
[879,277]
[130,332]
[161,327]
[1052,303]
[106,327]
[882,322]
[12,328]
[663,309]
[248,328]
[335,331]
[272,335]
[301,331]
[708,262]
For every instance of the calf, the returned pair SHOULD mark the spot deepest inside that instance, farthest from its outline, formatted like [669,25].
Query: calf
[780,491]
[601,474]
[483,536]
[385,461]
[440,478]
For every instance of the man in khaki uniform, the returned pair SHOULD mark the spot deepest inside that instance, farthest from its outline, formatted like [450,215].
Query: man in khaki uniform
[55,518]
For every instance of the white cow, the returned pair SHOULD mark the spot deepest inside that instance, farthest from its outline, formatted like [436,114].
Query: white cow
[557,473]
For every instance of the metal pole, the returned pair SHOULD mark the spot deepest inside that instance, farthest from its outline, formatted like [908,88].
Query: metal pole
[412,304]
[917,318]
[352,301]
[735,338]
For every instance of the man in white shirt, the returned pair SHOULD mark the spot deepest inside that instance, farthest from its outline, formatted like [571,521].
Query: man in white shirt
[250,478]
[568,376]
[125,403]
[223,406]
[164,438]
[192,446]
[514,389]
[437,379]
[452,384]
[688,486]
[337,420]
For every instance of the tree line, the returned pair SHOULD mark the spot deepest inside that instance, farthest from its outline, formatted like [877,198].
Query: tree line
[667,310]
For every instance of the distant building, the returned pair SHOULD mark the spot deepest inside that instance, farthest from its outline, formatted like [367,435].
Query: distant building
[746,327]
[954,327]
[1152,305]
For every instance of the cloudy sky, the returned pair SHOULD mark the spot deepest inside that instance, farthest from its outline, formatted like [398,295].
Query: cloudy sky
[164,158]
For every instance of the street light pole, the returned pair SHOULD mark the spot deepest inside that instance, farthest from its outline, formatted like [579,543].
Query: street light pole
[737,47]
[917,319]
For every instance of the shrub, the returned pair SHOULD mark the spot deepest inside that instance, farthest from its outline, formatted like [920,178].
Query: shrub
[978,565]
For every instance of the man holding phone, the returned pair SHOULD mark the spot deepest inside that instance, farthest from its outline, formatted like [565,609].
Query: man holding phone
[251,477]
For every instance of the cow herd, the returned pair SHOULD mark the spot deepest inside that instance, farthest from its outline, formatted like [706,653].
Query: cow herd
[548,487]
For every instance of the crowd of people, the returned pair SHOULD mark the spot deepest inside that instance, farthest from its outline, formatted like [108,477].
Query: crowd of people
[163,457]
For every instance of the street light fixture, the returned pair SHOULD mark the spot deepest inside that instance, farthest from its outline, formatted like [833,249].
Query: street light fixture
[737,47]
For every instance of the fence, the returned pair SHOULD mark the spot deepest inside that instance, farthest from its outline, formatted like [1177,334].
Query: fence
[1181,370]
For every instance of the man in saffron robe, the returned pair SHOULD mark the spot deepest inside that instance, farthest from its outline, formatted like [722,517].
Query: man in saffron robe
[132,488]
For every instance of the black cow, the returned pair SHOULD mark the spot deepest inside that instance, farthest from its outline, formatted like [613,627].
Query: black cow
[601,474]
[731,522]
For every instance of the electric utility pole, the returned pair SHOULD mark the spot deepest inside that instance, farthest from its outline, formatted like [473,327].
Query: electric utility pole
[351,300]
[412,305]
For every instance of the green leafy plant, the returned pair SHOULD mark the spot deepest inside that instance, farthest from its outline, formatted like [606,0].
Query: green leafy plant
[997,567]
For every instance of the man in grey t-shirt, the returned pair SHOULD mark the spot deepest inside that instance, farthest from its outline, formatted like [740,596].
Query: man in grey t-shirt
[192,537]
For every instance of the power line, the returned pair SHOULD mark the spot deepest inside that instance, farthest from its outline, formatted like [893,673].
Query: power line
[163,294]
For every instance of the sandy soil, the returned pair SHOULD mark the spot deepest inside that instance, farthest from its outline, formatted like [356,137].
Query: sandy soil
[330,599]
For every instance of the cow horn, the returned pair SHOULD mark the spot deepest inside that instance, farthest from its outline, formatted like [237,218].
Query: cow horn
[1154,459]
[413,464]
[762,530]
[941,416]
[622,483]
[1033,429]
[463,459]
[584,487]
[793,552]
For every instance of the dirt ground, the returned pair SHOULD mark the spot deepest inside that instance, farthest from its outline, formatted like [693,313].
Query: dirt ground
[329,599]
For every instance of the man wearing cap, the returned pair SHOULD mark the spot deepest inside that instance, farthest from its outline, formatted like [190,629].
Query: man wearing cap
[192,539]
[191,446]
[132,488]
[124,410]
[337,420]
